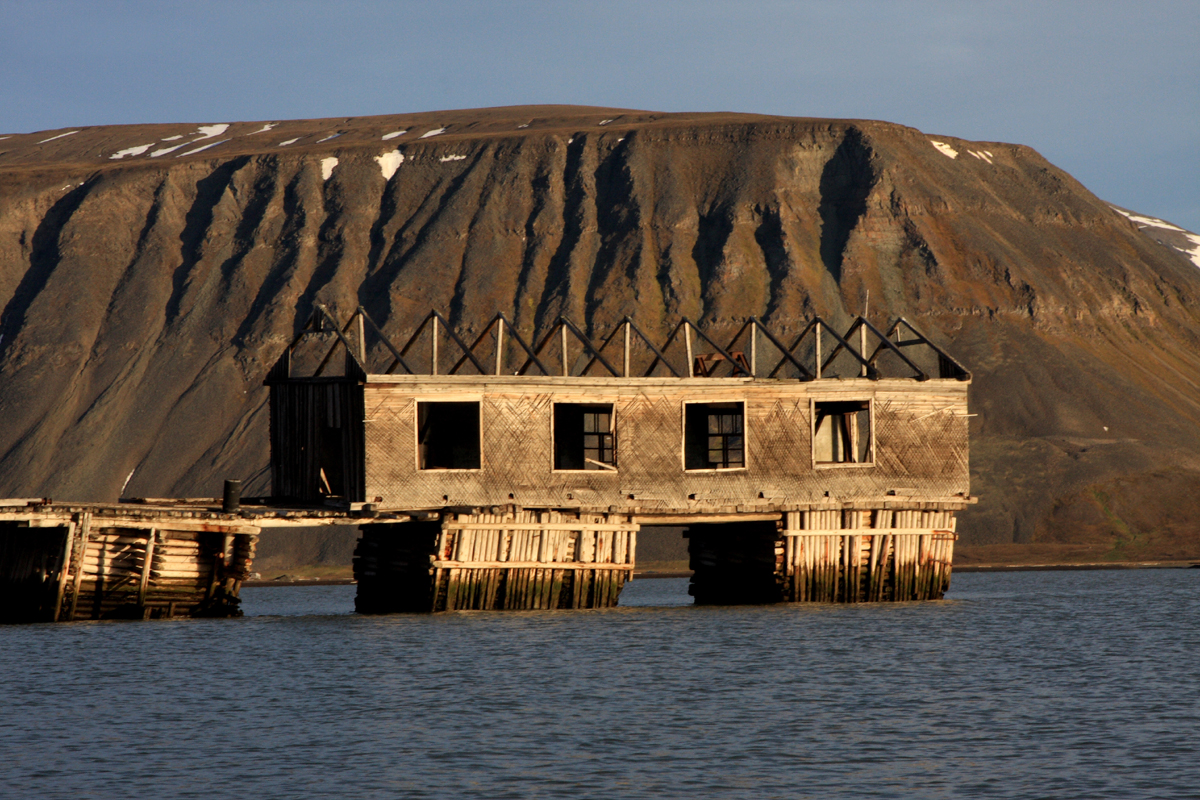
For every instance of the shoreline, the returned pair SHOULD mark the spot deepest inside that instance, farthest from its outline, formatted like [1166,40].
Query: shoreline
[1120,565]
[1079,566]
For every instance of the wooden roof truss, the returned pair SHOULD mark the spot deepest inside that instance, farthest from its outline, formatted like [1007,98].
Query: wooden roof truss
[436,348]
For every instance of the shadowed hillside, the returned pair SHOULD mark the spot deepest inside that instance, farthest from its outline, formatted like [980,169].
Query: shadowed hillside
[151,274]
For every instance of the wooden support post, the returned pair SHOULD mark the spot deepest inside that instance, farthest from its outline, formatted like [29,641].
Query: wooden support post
[68,549]
[85,528]
[565,364]
[626,372]
[433,370]
[817,340]
[362,338]
[687,340]
[147,563]
[753,348]
[499,345]
[862,349]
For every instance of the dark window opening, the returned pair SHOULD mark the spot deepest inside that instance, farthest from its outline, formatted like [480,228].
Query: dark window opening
[448,435]
[842,432]
[584,437]
[714,436]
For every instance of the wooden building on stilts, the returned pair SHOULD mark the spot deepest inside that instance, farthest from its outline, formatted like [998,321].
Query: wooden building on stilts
[827,467]
[496,472]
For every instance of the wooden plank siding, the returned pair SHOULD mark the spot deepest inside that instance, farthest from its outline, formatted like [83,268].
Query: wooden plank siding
[920,454]
[303,414]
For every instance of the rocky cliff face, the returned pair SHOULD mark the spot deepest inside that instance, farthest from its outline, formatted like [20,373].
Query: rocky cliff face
[149,275]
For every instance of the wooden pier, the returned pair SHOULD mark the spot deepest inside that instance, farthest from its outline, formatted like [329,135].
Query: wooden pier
[156,560]
[488,471]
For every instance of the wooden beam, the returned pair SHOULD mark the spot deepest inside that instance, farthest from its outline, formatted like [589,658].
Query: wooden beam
[625,372]
[715,346]
[530,353]
[607,340]
[68,549]
[658,356]
[787,351]
[687,341]
[645,520]
[569,565]
[85,527]
[147,564]
[536,526]
[587,343]
[886,343]
[870,532]
[397,359]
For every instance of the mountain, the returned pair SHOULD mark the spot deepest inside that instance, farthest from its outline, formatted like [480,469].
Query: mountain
[150,274]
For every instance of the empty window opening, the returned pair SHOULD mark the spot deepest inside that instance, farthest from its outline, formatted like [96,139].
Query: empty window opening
[584,437]
[714,436]
[448,435]
[842,432]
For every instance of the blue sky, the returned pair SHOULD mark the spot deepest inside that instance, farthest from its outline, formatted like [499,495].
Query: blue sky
[1108,91]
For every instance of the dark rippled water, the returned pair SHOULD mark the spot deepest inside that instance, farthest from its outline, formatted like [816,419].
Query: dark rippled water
[1046,684]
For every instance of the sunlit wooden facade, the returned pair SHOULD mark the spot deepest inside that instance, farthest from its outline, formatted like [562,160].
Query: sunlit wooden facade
[824,434]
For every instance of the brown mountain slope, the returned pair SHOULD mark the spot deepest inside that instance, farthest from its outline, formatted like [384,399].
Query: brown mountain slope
[145,296]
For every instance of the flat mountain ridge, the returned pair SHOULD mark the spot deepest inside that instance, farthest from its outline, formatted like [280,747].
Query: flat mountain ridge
[146,293]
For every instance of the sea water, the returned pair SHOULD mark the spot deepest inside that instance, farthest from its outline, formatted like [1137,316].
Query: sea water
[1033,684]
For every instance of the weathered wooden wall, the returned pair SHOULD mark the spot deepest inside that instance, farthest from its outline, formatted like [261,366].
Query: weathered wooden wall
[314,424]
[921,445]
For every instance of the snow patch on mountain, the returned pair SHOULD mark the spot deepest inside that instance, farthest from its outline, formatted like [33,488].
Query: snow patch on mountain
[1194,252]
[1147,222]
[392,135]
[61,135]
[434,132]
[944,148]
[203,132]
[211,131]
[132,151]
[201,147]
[289,141]
[389,163]
[327,165]
[455,157]
[162,151]
[1169,234]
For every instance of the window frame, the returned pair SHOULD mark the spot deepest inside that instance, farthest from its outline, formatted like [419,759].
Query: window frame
[416,422]
[812,433]
[684,436]
[614,468]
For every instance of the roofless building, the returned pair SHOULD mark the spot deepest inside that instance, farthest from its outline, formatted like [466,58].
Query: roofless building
[820,466]
[500,473]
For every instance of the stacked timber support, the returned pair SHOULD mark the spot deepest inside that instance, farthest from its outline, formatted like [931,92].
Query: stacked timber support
[84,570]
[518,559]
[825,556]
[865,556]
